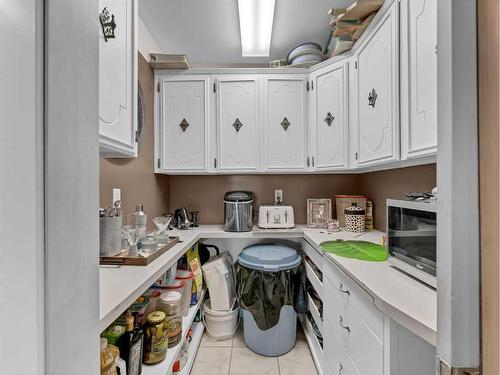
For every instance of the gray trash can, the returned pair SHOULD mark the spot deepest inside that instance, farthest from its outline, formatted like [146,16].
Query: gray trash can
[267,266]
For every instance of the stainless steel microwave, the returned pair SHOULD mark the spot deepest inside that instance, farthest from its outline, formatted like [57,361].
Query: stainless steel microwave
[411,238]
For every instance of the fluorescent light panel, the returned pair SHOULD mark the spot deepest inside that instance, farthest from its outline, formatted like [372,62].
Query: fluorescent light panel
[256,26]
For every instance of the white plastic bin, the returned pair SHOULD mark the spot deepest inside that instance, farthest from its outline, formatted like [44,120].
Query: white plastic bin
[219,277]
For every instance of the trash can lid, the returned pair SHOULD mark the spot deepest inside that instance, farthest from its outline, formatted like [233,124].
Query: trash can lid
[269,257]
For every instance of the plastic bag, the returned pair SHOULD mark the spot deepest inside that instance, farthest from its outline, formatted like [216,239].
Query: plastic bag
[264,293]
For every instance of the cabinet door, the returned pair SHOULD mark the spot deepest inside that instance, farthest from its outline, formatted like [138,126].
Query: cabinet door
[330,122]
[118,80]
[377,99]
[183,124]
[284,124]
[238,124]
[418,78]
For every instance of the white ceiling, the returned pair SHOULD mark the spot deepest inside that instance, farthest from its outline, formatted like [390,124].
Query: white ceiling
[207,31]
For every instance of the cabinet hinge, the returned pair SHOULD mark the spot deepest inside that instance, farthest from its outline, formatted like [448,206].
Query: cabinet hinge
[158,163]
[312,85]
[355,65]
[312,159]
[215,87]
[307,86]
[356,156]
[215,162]
[308,162]
[158,86]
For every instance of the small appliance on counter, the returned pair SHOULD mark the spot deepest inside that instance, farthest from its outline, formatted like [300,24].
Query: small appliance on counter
[181,220]
[276,217]
[411,238]
[238,211]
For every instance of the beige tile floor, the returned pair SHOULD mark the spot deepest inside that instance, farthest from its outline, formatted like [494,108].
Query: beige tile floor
[232,357]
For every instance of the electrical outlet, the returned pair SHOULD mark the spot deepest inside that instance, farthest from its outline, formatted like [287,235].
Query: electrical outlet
[278,196]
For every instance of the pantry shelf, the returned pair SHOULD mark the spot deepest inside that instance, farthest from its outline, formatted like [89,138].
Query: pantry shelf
[165,367]
[198,329]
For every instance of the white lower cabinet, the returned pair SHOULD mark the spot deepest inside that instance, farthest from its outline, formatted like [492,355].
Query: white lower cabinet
[353,328]
[375,94]
[238,124]
[181,126]
[118,79]
[328,128]
[418,78]
[284,124]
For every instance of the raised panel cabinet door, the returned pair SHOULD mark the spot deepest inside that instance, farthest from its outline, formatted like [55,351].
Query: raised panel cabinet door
[183,125]
[238,125]
[332,348]
[330,120]
[419,56]
[377,97]
[284,124]
[117,78]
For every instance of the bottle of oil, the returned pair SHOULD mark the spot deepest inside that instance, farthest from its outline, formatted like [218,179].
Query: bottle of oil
[130,345]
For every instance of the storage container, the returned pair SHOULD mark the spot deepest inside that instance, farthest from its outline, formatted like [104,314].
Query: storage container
[344,201]
[219,277]
[171,304]
[280,338]
[110,236]
[220,325]
[355,219]
[155,338]
[187,277]
[238,212]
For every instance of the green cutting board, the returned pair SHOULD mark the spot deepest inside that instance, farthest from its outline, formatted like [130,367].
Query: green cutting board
[361,250]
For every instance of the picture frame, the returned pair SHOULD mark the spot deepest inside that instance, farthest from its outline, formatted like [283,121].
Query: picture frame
[319,212]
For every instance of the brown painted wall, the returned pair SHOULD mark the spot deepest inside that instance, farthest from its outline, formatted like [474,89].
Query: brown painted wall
[489,187]
[379,186]
[136,176]
[205,193]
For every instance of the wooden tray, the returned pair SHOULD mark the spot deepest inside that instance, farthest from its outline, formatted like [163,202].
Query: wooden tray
[139,260]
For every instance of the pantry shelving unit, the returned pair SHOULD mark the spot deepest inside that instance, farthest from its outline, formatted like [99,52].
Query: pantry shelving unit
[165,367]
[198,329]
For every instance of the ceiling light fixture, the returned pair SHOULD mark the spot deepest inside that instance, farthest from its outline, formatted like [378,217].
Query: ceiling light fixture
[256,26]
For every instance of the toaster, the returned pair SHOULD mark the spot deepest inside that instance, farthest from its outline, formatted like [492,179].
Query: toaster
[276,217]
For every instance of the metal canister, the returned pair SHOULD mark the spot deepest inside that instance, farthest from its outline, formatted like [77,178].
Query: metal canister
[238,211]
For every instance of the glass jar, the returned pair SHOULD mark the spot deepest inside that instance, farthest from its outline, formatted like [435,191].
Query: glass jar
[171,304]
[155,338]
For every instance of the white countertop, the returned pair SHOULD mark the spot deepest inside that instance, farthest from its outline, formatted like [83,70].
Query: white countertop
[402,298]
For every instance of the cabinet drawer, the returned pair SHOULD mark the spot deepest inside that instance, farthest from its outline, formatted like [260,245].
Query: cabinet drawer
[315,313]
[315,255]
[364,348]
[352,296]
[314,279]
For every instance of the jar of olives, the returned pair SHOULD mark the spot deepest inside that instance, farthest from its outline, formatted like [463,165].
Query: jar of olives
[155,338]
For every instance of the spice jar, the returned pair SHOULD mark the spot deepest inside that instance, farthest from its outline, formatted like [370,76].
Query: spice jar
[171,304]
[156,338]
[355,219]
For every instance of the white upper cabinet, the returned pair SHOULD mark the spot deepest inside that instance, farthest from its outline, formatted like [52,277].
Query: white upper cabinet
[375,87]
[329,125]
[182,124]
[284,123]
[418,78]
[118,79]
[238,124]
